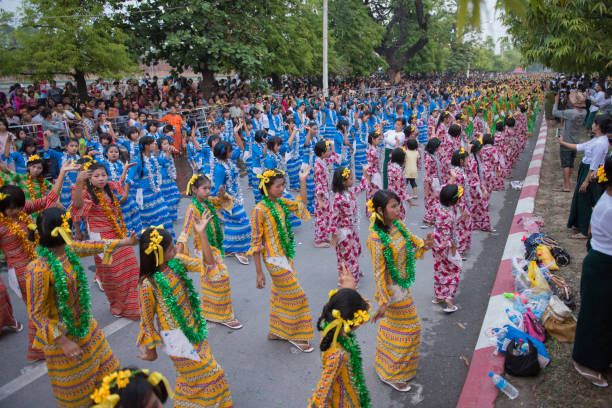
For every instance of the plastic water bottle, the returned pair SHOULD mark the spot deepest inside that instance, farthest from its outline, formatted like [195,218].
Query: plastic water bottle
[515,318]
[504,385]
[500,333]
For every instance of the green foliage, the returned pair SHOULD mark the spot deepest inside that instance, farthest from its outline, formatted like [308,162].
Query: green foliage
[567,36]
[79,42]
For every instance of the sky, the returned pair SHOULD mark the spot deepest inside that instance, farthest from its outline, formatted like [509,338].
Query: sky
[490,24]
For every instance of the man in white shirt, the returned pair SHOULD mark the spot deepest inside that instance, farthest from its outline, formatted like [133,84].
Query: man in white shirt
[596,97]
[392,138]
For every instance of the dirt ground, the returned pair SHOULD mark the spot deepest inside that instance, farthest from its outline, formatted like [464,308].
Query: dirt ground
[558,385]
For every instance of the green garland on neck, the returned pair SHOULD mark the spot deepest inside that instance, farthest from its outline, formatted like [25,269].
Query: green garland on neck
[62,294]
[200,332]
[349,343]
[406,282]
[285,234]
[215,238]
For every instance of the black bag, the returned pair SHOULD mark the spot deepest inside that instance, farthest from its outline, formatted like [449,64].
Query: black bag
[562,257]
[525,365]
[560,288]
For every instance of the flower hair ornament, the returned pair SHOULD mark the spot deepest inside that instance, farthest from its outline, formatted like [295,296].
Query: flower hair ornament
[327,145]
[602,177]
[359,317]
[374,214]
[462,151]
[33,157]
[346,173]
[377,132]
[190,183]
[459,192]
[64,230]
[3,196]
[87,165]
[155,240]
[264,179]
[120,379]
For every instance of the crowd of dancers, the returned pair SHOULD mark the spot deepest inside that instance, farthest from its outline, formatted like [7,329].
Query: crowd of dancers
[314,159]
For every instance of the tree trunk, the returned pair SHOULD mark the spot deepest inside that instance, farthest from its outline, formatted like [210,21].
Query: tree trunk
[79,78]
[276,81]
[208,80]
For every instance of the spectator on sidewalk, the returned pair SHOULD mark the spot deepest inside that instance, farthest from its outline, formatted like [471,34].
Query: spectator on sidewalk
[587,190]
[597,97]
[57,129]
[592,354]
[572,128]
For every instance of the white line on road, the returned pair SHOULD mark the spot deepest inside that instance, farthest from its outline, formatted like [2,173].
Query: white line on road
[34,371]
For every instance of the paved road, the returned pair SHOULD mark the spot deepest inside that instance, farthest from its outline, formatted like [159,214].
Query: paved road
[264,373]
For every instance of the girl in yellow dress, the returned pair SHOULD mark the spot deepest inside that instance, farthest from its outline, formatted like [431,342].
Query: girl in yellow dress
[167,295]
[342,383]
[216,288]
[272,239]
[76,351]
[393,251]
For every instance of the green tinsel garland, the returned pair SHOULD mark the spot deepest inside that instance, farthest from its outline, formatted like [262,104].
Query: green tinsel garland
[349,343]
[285,234]
[63,297]
[201,331]
[406,282]
[215,238]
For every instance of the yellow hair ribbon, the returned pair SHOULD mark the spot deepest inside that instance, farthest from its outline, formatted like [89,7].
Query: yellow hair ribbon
[480,140]
[87,165]
[190,183]
[156,377]
[359,317]
[346,173]
[3,196]
[265,179]
[459,192]
[155,247]
[327,144]
[332,293]
[462,151]
[33,157]
[64,230]
[602,177]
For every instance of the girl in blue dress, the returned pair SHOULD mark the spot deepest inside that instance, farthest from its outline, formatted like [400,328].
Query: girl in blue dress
[258,148]
[116,170]
[361,131]
[20,158]
[237,233]
[169,188]
[145,178]
[331,121]
[60,158]
[130,142]
[343,145]
[307,156]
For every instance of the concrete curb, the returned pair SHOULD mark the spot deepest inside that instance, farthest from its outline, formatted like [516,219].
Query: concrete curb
[478,390]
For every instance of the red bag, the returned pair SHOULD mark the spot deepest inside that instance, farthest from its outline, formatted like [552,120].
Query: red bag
[533,327]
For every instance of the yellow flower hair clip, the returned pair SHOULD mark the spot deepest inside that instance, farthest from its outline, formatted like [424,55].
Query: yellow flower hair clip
[346,173]
[327,144]
[87,165]
[190,183]
[64,230]
[332,293]
[359,317]
[3,196]
[602,177]
[265,179]
[377,132]
[33,157]
[155,240]
[462,151]
[459,192]
[374,215]
[120,379]
[480,140]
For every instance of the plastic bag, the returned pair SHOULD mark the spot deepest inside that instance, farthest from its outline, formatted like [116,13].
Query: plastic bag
[532,223]
[521,279]
[537,279]
[544,256]
[523,365]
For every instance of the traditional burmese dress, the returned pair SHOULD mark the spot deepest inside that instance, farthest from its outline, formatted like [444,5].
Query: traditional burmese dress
[290,317]
[446,273]
[345,225]
[216,288]
[397,184]
[447,146]
[236,237]
[129,209]
[492,170]
[501,144]
[72,381]
[119,278]
[399,331]
[169,189]
[198,383]
[275,161]
[322,206]
[69,179]
[373,159]
[17,259]
[361,141]
[335,388]
[432,179]
[464,224]
[479,204]
[7,318]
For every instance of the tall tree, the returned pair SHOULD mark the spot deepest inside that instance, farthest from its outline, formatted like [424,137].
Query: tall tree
[69,37]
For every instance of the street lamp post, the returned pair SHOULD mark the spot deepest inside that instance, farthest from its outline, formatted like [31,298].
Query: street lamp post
[325,85]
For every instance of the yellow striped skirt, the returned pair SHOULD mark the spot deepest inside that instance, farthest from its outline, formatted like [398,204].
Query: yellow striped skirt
[290,317]
[73,382]
[217,298]
[200,383]
[397,345]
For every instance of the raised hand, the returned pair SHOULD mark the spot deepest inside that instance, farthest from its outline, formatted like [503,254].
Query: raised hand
[345,278]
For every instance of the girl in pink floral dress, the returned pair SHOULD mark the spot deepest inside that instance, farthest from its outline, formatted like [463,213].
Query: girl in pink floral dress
[458,176]
[449,143]
[326,157]
[344,220]
[396,180]
[478,193]
[373,159]
[447,261]
[432,179]
[492,170]
[511,140]
[502,146]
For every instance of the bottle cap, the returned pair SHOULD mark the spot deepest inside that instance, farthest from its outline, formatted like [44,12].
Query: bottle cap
[490,373]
